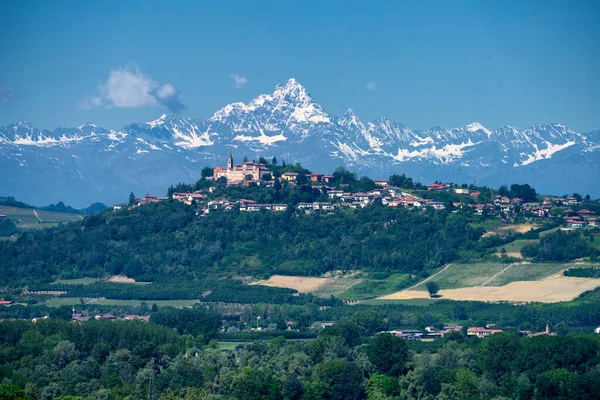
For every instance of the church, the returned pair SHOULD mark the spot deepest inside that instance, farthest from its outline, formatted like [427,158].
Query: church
[237,173]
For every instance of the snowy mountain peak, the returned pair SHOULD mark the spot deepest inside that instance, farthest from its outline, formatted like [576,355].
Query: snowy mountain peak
[350,118]
[157,122]
[349,113]
[476,127]
[23,124]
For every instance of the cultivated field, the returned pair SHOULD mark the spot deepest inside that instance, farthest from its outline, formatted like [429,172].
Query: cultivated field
[526,272]
[89,281]
[371,288]
[463,275]
[503,229]
[322,287]
[27,218]
[517,228]
[549,290]
[79,281]
[516,282]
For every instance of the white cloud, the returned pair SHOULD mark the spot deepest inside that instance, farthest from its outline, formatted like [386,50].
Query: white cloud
[130,88]
[239,80]
[7,96]
[371,85]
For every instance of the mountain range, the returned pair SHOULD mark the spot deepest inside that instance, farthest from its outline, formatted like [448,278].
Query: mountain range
[89,163]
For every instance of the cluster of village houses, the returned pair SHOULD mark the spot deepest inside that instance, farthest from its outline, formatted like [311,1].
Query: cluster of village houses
[252,173]
[83,317]
[432,333]
[503,204]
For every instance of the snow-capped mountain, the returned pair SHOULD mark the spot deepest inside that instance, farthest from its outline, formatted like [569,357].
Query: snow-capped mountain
[88,163]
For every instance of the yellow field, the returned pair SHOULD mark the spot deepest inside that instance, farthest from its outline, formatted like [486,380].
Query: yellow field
[518,228]
[548,290]
[323,287]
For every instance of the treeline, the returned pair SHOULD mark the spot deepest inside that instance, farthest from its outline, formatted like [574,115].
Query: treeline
[593,272]
[58,207]
[222,290]
[523,192]
[104,360]
[7,227]
[12,202]
[62,208]
[168,239]
[560,246]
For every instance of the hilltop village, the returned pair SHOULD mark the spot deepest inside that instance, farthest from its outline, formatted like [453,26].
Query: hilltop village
[343,190]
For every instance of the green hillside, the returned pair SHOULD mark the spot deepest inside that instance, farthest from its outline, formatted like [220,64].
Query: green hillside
[28,218]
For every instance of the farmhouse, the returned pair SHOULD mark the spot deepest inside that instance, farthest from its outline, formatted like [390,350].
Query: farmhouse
[290,176]
[544,333]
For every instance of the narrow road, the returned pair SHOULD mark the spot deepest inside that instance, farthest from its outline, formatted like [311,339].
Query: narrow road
[37,216]
[499,273]
[428,279]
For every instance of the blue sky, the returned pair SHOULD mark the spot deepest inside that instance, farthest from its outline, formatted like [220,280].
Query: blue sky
[423,64]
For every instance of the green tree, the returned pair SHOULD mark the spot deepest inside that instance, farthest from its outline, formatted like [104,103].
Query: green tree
[207,172]
[8,391]
[254,384]
[466,385]
[344,379]
[382,387]
[388,354]
[433,288]
[342,176]
[131,199]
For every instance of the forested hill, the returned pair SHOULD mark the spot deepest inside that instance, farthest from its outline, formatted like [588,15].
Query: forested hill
[164,240]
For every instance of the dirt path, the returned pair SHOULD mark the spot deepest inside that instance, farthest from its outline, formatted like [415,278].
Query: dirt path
[498,274]
[37,216]
[428,279]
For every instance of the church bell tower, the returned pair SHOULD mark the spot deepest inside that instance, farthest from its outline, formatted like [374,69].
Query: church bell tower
[230,161]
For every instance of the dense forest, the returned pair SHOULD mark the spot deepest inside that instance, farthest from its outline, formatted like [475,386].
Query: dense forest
[168,239]
[54,359]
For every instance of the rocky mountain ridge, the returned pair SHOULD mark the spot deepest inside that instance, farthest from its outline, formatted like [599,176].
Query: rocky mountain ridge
[104,165]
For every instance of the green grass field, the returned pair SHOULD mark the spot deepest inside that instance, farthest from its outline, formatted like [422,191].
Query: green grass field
[68,301]
[516,246]
[334,287]
[26,218]
[371,288]
[230,345]
[465,275]
[80,281]
[527,272]
[494,274]
[488,224]
[406,302]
